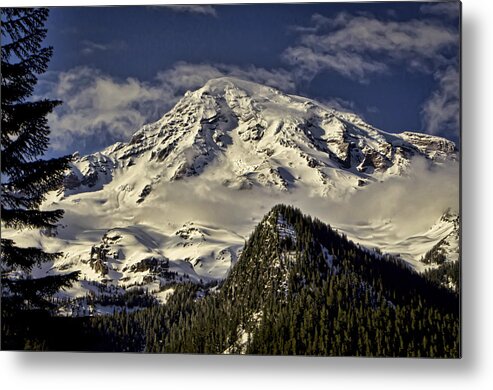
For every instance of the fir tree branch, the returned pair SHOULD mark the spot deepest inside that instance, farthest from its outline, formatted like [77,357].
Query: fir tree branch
[30,219]
[25,259]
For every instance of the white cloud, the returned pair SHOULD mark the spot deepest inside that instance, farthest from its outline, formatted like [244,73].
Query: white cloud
[308,63]
[194,9]
[184,76]
[340,104]
[97,108]
[90,47]
[448,9]
[357,46]
[440,112]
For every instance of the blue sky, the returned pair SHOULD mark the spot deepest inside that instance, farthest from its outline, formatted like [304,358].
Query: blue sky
[116,68]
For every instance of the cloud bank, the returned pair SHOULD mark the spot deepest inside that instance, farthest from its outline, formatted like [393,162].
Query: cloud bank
[410,203]
[357,46]
[440,112]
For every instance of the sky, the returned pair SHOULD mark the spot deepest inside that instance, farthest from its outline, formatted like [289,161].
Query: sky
[117,68]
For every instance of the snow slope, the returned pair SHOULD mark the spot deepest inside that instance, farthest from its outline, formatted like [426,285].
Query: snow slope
[443,235]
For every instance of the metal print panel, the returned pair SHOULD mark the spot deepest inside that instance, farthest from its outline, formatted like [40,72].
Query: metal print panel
[232,179]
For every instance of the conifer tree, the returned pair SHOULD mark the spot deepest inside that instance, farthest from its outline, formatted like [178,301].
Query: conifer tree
[26,176]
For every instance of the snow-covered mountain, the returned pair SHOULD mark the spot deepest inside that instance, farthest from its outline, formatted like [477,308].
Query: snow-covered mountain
[254,135]
[135,212]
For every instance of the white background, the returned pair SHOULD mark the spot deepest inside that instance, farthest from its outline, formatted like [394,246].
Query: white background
[473,371]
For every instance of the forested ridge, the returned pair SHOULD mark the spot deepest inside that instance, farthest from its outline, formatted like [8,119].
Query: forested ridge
[299,288]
